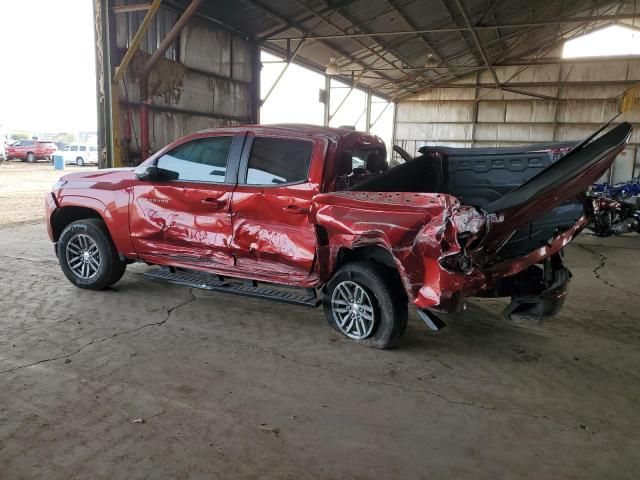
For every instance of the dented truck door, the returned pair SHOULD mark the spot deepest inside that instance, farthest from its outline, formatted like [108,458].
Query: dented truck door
[188,219]
[270,207]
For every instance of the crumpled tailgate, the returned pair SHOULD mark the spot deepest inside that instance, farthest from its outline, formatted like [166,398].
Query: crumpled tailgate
[561,181]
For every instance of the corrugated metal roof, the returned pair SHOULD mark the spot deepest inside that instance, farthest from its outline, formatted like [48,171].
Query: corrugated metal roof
[399,47]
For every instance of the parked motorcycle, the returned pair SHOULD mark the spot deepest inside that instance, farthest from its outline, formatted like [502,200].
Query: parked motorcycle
[614,211]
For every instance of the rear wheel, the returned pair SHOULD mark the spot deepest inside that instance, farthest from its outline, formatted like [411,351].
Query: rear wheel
[364,302]
[80,161]
[87,255]
[31,158]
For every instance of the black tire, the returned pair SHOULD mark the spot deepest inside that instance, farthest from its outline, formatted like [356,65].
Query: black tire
[31,158]
[110,269]
[385,292]
[80,161]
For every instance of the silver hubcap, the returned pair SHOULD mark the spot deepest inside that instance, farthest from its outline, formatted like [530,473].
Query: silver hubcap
[352,310]
[83,256]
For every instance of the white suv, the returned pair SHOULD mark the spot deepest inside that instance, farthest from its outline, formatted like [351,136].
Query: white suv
[79,153]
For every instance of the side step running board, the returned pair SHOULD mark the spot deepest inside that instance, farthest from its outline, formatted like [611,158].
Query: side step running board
[237,287]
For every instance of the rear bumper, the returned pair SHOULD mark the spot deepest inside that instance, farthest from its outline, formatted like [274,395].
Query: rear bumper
[546,304]
[446,291]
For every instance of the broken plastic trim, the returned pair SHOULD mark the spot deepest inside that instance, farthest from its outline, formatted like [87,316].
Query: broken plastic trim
[549,301]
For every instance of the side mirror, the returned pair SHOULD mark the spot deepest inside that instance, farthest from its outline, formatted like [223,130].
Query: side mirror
[152,173]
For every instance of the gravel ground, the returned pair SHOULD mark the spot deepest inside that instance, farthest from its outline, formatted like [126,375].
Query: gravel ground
[228,387]
[23,186]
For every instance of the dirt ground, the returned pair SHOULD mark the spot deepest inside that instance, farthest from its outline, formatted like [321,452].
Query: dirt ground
[23,186]
[229,387]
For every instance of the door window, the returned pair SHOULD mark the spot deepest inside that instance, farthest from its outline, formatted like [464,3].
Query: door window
[74,148]
[274,161]
[201,160]
[83,148]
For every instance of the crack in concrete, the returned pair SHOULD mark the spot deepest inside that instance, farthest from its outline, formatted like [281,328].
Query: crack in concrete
[399,386]
[602,263]
[168,313]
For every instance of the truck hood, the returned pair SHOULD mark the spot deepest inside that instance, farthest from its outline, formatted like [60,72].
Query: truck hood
[105,175]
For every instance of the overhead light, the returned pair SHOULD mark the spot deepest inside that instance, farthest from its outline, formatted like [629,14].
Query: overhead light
[332,67]
[431,61]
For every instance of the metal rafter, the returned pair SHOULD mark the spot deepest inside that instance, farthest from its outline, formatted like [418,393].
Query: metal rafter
[512,26]
[506,26]
[363,44]
[408,21]
[285,20]
[296,23]
[476,39]
[455,21]
[527,34]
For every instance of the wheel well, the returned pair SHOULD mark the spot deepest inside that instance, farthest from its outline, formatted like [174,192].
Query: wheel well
[66,215]
[370,253]
[378,255]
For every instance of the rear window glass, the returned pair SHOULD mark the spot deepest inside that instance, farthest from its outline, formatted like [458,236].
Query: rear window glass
[275,161]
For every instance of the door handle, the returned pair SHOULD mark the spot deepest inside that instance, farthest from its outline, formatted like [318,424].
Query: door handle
[295,210]
[213,202]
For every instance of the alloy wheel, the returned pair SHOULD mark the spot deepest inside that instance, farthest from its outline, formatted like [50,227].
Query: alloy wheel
[83,256]
[353,310]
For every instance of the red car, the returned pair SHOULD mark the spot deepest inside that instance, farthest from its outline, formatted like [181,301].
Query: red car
[31,150]
[257,210]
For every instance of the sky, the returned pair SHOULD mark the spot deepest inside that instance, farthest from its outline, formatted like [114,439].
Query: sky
[296,99]
[613,40]
[48,65]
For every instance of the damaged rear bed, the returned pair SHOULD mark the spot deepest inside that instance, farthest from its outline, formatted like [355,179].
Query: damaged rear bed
[474,223]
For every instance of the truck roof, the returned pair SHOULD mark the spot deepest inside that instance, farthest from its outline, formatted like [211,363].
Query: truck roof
[300,128]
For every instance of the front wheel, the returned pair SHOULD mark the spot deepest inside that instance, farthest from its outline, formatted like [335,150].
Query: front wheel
[364,302]
[87,255]
[80,161]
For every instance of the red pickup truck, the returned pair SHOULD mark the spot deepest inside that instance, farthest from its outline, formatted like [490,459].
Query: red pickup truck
[31,150]
[311,215]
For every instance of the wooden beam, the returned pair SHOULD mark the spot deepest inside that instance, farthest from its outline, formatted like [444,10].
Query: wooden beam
[137,7]
[135,43]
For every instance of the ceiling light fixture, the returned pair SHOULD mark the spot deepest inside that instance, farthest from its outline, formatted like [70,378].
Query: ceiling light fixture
[332,67]
[431,61]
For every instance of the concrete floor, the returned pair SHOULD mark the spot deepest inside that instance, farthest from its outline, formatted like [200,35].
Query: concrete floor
[238,388]
[23,186]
